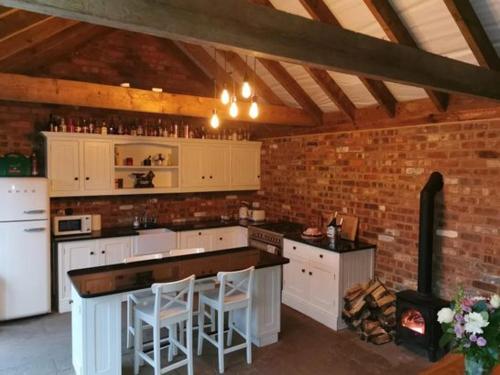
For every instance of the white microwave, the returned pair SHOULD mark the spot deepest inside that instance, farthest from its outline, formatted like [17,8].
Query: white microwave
[74,224]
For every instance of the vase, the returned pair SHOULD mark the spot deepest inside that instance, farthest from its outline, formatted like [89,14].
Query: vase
[475,366]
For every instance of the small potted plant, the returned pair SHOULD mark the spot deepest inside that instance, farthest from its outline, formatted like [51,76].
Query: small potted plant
[472,327]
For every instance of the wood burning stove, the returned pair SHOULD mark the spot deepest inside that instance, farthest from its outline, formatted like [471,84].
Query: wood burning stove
[416,311]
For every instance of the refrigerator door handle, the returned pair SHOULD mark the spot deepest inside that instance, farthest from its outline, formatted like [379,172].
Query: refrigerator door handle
[34,230]
[34,212]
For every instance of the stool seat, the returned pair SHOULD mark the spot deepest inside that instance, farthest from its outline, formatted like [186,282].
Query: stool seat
[211,298]
[146,311]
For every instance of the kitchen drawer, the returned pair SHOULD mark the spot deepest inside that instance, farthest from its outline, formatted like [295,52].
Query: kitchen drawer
[296,250]
[323,259]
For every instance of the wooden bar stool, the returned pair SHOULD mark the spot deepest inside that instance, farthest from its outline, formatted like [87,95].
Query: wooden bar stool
[172,305]
[234,293]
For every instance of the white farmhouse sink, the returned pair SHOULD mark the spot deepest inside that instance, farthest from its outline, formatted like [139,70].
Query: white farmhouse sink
[155,240]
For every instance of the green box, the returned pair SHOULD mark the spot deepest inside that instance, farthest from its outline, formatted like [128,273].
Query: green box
[15,165]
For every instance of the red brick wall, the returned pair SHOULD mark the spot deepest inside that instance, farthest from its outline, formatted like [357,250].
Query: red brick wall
[377,175]
[120,211]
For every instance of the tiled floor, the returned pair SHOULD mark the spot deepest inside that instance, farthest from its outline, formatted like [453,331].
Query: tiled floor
[42,346]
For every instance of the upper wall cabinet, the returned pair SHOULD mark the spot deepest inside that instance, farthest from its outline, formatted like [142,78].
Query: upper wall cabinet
[90,164]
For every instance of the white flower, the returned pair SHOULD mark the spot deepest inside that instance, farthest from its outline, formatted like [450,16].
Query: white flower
[495,301]
[445,315]
[474,323]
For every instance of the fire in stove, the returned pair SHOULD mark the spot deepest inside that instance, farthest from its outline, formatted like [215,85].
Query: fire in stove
[413,320]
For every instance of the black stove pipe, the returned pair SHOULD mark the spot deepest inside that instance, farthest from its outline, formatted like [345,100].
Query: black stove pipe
[426,231]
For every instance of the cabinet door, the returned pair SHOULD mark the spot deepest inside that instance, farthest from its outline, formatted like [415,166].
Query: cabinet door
[97,165]
[215,166]
[245,166]
[191,166]
[193,239]
[64,166]
[75,255]
[225,238]
[114,250]
[322,290]
[295,281]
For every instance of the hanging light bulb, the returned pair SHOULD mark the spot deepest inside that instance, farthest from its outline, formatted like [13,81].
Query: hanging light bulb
[246,89]
[224,96]
[253,112]
[214,120]
[233,109]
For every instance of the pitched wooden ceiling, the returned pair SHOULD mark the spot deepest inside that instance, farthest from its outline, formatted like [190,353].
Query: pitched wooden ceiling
[459,29]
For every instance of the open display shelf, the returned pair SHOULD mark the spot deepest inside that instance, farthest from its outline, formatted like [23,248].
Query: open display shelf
[166,175]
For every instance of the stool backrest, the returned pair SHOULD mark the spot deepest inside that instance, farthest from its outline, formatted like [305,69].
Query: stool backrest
[177,252]
[140,258]
[174,294]
[235,282]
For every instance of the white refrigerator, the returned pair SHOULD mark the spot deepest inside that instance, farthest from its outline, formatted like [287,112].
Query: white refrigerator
[24,247]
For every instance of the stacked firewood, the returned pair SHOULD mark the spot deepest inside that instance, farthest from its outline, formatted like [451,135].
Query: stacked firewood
[370,309]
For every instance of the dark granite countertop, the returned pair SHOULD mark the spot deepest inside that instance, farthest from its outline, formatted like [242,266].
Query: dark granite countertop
[200,225]
[119,278]
[104,233]
[342,246]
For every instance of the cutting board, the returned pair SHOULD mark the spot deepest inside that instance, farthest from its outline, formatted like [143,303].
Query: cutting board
[349,225]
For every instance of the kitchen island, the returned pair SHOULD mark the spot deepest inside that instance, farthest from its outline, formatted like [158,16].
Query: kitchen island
[97,294]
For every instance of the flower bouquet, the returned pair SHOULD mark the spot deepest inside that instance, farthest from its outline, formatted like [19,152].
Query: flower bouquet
[472,327]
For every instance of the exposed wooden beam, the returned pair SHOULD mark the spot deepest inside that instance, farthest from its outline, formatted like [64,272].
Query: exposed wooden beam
[399,33]
[245,28]
[53,49]
[294,89]
[31,36]
[22,88]
[187,62]
[333,91]
[18,21]
[318,10]
[207,63]
[470,25]
[325,81]
[263,90]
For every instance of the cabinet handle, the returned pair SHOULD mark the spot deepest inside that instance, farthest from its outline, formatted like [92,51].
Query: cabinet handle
[199,233]
[30,230]
[220,238]
[91,253]
[295,247]
[211,177]
[258,176]
[202,177]
[70,301]
[76,178]
[303,270]
[321,255]
[87,178]
[310,273]
[29,212]
[103,252]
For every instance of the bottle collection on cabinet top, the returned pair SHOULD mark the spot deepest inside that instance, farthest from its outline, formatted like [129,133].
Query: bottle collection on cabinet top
[144,127]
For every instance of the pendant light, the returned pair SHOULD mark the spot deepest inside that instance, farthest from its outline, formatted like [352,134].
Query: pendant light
[233,108]
[214,119]
[224,96]
[246,89]
[253,112]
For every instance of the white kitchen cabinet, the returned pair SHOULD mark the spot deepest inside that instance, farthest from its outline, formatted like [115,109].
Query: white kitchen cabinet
[245,166]
[114,250]
[97,165]
[315,280]
[204,166]
[84,164]
[63,166]
[73,255]
[214,239]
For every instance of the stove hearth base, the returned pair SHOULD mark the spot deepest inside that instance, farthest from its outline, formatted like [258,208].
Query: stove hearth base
[416,317]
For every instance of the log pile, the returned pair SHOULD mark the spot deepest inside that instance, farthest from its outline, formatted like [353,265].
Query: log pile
[370,309]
